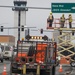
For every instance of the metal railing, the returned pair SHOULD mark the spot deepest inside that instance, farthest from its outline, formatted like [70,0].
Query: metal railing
[56,23]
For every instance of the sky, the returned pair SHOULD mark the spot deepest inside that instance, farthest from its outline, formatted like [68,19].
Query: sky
[34,17]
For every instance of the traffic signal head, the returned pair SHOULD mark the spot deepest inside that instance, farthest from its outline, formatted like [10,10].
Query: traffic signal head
[1,28]
[45,37]
[28,37]
[41,31]
[22,29]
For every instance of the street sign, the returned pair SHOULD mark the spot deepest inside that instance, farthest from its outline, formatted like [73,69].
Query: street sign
[63,7]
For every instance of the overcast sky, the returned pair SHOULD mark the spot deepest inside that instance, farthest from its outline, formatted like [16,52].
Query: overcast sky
[35,17]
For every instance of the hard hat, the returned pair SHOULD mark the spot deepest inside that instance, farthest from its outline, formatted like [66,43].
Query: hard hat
[50,12]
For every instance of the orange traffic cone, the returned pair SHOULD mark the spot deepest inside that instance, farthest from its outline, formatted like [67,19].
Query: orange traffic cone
[60,68]
[4,71]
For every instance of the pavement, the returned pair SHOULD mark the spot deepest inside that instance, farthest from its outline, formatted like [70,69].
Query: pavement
[66,68]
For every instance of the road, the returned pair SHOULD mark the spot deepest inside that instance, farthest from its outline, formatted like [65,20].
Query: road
[5,63]
[66,68]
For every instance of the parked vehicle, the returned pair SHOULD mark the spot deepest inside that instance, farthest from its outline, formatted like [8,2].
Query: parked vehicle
[14,52]
[1,55]
[7,52]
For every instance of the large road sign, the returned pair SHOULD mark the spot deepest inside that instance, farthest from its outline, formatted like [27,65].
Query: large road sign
[63,7]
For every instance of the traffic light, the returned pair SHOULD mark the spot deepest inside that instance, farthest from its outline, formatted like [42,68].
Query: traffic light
[1,28]
[28,37]
[45,37]
[22,29]
[41,31]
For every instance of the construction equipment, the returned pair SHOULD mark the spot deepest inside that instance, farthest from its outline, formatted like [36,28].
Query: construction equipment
[65,45]
[35,56]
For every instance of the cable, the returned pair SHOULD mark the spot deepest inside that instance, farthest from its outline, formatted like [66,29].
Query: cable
[16,27]
[43,30]
[25,7]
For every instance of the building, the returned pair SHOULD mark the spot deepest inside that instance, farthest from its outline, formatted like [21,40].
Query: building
[7,39]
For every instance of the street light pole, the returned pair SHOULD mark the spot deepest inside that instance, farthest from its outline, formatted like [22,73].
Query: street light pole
[19,14]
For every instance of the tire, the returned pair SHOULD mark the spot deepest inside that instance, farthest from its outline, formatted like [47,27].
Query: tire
[72,63]
[53,70]
[14,70]
[1,60]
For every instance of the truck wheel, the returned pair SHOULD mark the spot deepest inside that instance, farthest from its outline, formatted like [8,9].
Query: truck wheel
[53,70]
[2,60]
[73,63]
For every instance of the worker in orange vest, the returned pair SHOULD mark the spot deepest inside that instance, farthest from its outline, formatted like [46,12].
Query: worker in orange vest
[50,19]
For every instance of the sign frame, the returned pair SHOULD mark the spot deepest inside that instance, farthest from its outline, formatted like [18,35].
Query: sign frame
[63,7]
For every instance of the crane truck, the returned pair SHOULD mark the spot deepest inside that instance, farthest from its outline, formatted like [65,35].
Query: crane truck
[35,57]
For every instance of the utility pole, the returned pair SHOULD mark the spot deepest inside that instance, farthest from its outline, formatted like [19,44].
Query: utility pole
[19,25]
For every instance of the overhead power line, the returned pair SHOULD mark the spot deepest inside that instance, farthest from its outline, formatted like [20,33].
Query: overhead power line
[43,30]
[45,8]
